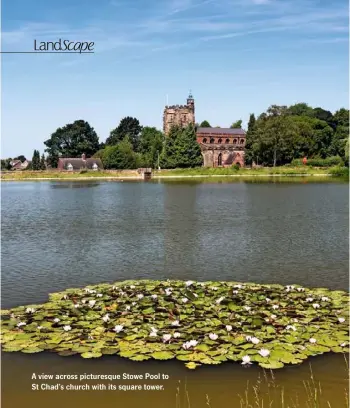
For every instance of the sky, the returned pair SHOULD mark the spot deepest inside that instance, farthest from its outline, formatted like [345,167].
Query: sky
[237,56]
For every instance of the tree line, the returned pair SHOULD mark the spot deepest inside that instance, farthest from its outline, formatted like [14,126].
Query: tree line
[276,137]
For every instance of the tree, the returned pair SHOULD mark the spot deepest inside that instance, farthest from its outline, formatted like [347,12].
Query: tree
[128,126]
[300,109]
[36,160]
[181,148]
[6,164]
[21,158]
[250,139]
[324,115]
[42,162]
[150,146]
[237,124]
[205,124]
[72,140]
[120,156]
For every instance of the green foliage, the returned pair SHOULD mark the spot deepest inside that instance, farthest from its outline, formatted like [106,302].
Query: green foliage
[36,160]
[150,146]
[205,124]
[181,149]
[72,140]
[128,127]
[5,164]
[42,162]
[283,133]
[237,124]
[21,158]
[120,156]
[339,171]
[318,162]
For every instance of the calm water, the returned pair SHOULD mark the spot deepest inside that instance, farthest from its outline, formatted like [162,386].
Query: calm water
[67,234]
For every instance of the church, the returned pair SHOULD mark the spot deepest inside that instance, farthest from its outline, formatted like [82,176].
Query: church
[221,147]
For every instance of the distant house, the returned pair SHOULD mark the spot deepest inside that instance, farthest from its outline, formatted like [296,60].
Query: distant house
[74,164]
[18,165]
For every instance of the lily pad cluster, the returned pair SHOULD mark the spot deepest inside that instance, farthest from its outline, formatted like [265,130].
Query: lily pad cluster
[195,322]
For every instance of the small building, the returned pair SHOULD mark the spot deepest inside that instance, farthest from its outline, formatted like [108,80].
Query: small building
[221,147]
[76,164]
[18,165]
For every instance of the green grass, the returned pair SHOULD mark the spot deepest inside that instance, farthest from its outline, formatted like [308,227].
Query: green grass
[336,171]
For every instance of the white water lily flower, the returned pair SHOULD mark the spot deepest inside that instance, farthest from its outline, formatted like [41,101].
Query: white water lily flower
[193,343]
[168,291]
[248,338]
[189,283]
[166,337]
[127,307]
[154,329]
[30,310]
[92,303]
[309,299]
[195,295]
[264,352]
[189,344]
[106,318]
[40,327]
[175,323]
[56,319]
[325,299]
[213,336]
[255,340]
[300,289]
[302,348]
[275,307]
[184,300]
[295,320]
[268,300]
[273,316]
[67,327]
[176,335]
[76,305]
[218,301]
[99,295]
[312,340]
[246,360]
[153,334]
[133,303]
[228,327]
[21,324]
[114,287]
[154,296]
[291,327]
[139,296]
[267,319]
[343,345]
[341,319]
[132,286]
[237,286]
[246,308]
[316,305]
[214,288]
[235,292]
[118,328]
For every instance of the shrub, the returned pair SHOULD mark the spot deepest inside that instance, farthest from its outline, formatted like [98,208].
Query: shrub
[236,166]
[318,162]
[340,171]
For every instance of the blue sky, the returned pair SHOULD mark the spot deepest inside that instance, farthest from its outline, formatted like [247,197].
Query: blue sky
[237,56]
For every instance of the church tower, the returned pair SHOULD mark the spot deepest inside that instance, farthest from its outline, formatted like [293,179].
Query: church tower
[179,115]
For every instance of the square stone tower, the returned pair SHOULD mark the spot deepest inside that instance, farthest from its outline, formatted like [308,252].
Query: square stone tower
[179,115]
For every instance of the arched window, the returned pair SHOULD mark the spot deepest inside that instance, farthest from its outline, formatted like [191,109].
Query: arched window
[220,159]
[69,167]
[227,141]
[95,166]
[205,140]
[234,141]
[212,140]
[220,140]
[242,141]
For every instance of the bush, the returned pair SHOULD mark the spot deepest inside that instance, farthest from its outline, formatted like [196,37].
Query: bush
[82,171]
[236,166]
[340,171]
[318,162]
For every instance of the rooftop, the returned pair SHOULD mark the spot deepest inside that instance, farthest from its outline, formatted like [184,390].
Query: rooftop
[225,131]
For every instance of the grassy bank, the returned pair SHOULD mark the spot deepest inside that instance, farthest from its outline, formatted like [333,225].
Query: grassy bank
[192,172]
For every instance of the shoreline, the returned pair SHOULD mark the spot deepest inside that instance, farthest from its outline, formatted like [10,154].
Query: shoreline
[167,177]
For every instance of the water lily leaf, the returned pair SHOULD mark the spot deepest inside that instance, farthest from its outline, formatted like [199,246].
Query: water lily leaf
[191,365]
[67,353]
[162,355]
[272,365]
[91,354]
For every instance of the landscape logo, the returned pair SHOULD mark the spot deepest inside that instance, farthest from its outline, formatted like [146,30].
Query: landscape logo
[58,47]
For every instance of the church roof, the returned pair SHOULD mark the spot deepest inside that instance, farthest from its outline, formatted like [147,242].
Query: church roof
[80,163]
[222,131]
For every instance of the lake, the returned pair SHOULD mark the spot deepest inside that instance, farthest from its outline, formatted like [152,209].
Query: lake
[62,234]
